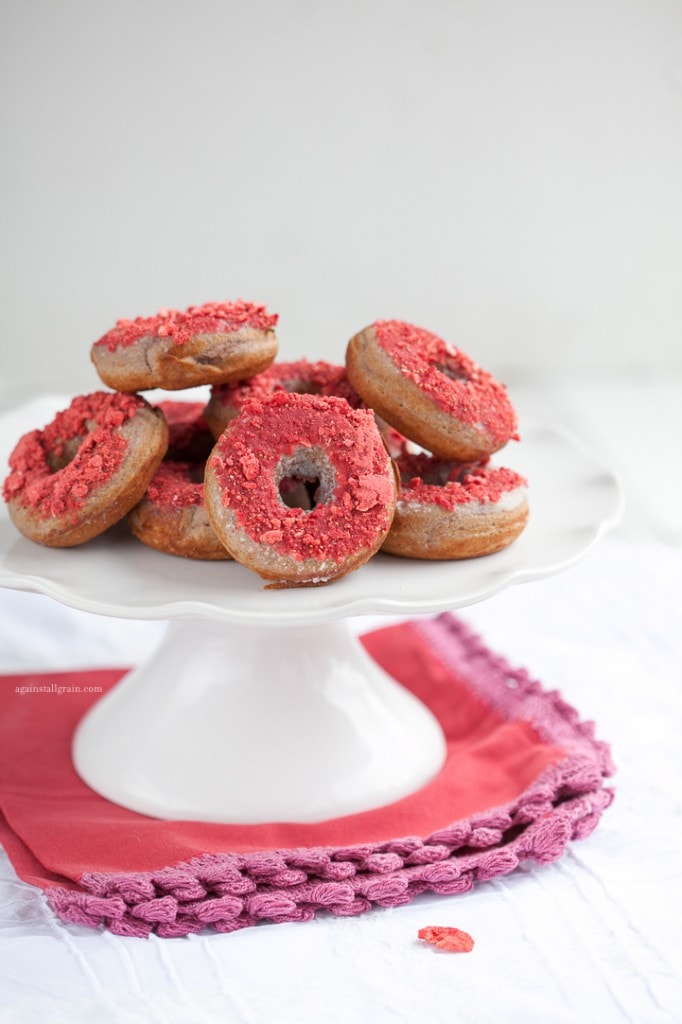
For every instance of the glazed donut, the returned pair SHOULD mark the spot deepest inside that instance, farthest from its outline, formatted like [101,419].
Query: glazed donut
[430,391]
[322,445]
[449,510]
[301,377]
[171,517]
[209,344]
[86,469]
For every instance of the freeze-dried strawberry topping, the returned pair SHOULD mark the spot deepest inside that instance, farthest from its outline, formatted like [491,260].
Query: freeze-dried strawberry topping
[431,481]
[301,377]
[450,378]
[359,506]
[185,420]
[453,940]
[182,326]
[189,438]
[45,477]
[176,485]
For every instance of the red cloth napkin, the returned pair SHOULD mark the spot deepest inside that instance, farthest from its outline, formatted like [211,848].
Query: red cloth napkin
[523,776]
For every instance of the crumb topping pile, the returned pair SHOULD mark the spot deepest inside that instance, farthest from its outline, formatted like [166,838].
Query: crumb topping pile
[300,377]
[429,480]
[174,485]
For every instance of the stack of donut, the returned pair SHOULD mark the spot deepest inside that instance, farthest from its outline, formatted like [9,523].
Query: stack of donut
[300,471]
[452,503]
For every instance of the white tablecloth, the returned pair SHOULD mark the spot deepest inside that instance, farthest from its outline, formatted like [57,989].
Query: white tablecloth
[593,937]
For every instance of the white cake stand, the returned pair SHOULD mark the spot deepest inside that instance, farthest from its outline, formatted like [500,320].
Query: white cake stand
[260,705]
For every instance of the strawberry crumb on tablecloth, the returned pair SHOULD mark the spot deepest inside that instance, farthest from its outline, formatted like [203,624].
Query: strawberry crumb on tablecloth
[452,940]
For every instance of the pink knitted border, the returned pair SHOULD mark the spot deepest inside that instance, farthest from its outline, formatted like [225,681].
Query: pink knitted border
[227,891]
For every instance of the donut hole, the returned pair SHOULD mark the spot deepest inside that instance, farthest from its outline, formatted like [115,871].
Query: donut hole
[58,458]
[444,472]
[452,369]
[302,387]
[297,493]
[433,471]
[439,474]
[305,479]
[195,472]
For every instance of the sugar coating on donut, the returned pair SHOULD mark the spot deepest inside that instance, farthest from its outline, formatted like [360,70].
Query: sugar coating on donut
[54,470]
[304,437]
[449,378]
[180,326]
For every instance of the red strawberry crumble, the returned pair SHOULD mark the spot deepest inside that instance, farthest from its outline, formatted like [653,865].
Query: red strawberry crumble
[453,940]
[174,485]
[449,378]
[43,474]
[303,377]
[429,480]
[181,326]
[247,462]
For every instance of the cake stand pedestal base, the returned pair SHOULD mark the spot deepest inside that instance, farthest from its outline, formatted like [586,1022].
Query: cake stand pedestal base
[251,724]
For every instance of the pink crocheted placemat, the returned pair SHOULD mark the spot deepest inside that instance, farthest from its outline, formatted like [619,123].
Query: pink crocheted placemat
[523,777]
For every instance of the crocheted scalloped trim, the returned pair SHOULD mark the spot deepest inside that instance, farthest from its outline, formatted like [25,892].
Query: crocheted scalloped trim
[226,891]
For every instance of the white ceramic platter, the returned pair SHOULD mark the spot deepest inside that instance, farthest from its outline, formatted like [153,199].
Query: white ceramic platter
[573,499]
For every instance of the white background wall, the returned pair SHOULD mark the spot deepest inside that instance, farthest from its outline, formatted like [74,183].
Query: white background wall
[508,174]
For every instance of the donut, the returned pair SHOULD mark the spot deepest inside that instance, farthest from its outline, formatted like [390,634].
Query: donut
[86,469]
[209,344]
[317,444]
[430,391]
[449,510]
[171,517]
[300,377]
